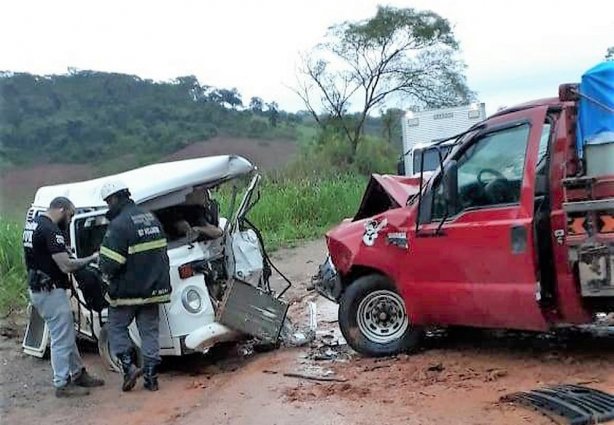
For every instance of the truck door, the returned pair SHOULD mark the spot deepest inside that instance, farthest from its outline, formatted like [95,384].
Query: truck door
[480,263]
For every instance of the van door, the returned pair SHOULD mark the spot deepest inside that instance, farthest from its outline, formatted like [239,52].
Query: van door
[480,268]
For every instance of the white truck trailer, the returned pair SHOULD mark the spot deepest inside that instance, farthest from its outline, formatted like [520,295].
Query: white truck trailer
[422,129]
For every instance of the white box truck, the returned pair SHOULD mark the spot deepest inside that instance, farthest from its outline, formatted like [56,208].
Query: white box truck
[422,129]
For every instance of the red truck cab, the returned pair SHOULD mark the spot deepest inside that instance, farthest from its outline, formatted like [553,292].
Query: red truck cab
[508,233]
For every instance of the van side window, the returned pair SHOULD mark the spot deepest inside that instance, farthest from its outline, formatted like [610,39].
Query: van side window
[489,172]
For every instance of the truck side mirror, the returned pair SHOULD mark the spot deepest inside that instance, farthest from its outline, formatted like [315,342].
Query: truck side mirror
[450,184]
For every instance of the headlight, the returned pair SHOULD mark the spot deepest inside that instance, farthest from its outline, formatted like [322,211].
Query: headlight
[191,300]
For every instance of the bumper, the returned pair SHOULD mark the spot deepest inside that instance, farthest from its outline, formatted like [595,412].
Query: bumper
[209,335]
[328,282]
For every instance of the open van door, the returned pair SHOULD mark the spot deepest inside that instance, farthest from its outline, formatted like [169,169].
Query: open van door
[36,339]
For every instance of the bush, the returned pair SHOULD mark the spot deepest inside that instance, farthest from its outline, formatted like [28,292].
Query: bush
[291,210]
[330,153]
[12,268]
[375,156]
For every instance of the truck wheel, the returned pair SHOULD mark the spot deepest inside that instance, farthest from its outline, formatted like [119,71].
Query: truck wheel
[373,319]
[104,348]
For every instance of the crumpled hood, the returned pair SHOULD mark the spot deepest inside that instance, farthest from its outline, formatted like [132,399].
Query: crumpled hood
[386,192]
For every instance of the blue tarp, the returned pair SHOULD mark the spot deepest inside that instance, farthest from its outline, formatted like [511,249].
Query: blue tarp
[595,116]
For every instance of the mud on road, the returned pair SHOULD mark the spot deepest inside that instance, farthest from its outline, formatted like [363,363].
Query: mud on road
[456,379]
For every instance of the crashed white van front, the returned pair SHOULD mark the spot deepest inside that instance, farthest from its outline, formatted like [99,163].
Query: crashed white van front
[208,276]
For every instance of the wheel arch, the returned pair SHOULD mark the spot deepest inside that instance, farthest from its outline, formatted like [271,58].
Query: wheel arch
[358,271]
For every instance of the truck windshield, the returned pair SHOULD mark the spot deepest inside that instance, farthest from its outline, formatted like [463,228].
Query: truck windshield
[431,157]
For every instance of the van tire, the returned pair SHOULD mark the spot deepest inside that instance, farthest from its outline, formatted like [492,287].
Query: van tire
[373,319]
[104,349]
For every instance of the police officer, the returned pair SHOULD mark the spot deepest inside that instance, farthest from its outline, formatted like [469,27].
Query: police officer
[134,261]
[48,263]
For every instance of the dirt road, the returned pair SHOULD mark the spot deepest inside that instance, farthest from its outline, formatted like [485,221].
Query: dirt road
[456,379]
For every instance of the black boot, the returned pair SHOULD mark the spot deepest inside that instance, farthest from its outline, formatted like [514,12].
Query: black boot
[84,379]
[131,372]
[150,377]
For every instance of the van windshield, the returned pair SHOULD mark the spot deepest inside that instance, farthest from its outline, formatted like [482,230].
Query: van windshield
[431,157]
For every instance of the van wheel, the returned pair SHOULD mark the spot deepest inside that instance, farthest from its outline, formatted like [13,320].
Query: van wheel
[104,348]
[373,319]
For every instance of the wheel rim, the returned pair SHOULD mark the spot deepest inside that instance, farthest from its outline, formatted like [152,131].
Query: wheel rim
[381,316]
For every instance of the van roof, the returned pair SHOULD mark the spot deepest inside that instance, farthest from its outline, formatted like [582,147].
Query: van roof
[152,181]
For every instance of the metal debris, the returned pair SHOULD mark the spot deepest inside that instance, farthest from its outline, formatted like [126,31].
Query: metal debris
[575,404]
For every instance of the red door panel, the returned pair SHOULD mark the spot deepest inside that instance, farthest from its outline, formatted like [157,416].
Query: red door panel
[474,273]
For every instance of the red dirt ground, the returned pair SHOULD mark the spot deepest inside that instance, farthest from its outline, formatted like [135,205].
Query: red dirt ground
[455,379]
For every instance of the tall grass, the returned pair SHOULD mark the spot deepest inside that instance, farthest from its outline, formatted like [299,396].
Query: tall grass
[291,210]
[12,268]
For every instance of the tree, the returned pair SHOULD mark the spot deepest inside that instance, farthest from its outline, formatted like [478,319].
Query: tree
[391,124]
[273,113]
[609,56]
[256,104]
[228,98]
[362,64]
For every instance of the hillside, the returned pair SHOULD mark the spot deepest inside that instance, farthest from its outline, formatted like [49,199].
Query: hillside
[84,124]
[87,116]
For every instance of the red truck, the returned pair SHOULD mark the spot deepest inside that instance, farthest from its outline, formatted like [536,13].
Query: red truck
[511,232]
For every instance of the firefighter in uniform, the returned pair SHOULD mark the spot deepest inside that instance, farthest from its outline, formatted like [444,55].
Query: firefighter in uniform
[49,262]
[134,261]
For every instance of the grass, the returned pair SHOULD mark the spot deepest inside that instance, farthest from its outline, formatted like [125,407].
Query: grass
[12,269]
[289,210]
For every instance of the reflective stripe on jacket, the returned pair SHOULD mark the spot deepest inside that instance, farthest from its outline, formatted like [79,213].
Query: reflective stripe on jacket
[133,258]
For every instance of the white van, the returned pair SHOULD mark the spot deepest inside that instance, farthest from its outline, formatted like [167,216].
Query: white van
[201,273]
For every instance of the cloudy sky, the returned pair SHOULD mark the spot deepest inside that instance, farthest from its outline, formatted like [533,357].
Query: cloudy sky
[515,50]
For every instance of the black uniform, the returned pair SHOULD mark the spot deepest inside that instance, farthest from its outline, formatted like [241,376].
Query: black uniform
[42,238]
[133,257]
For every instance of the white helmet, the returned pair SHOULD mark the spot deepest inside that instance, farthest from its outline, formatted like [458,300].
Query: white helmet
[111,188]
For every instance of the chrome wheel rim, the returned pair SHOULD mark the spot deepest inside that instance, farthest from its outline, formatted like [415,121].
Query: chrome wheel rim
[381,316]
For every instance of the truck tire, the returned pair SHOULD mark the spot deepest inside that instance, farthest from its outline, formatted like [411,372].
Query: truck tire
[104,349]
[373,319]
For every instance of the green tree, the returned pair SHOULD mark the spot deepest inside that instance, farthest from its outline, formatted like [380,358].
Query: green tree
[391,125]
[273,113]
[398,52]
[89,117]
[256,104]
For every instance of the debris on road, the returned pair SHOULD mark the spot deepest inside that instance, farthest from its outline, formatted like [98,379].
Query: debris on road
[575,404]
[291,336]
[436,368]
[314,378]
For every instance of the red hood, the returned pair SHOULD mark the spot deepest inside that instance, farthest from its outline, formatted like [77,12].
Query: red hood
[400,188]
[386,192]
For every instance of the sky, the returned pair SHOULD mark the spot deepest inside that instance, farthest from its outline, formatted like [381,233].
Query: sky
[514,50]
